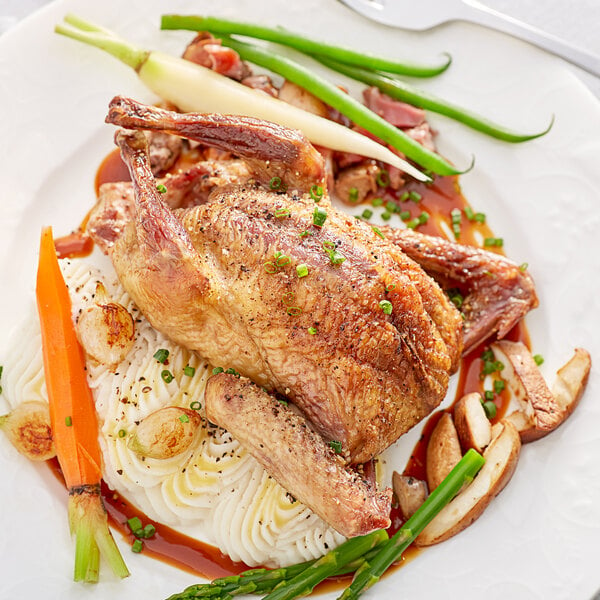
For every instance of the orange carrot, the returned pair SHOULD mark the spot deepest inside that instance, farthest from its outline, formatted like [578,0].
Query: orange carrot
[73,419]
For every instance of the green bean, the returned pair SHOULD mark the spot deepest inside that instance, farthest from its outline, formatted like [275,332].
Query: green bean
[302,43]
[407,93]
[370,572]
[346,104]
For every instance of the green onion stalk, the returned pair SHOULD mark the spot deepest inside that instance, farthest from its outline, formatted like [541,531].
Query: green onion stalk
[194,88]
[302,43]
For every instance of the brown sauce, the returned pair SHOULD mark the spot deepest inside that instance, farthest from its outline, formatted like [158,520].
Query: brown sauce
[438,198]
[167,545]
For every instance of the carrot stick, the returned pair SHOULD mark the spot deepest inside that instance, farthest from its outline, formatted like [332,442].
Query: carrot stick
[73,419]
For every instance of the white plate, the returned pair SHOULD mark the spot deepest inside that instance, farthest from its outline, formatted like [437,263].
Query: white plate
[540,537]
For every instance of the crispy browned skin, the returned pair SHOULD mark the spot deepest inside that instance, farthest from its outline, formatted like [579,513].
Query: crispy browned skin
[296,456]
[116,204]
[200,276]
[269,149]
[499,292]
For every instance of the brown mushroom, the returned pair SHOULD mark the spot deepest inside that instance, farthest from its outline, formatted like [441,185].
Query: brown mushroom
[501,457]
[542,409]
[443,451]
[472,424]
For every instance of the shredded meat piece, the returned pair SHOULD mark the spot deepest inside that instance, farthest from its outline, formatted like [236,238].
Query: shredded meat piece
[393,111]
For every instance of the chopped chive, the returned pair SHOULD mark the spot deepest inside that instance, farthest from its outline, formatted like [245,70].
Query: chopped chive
[539,359]
[135,524]
[189,371]
[499,386]
[161,355]
[414,196]
[167,376]
[391,207]
[195,405]
[137,546]
[217,370]
[68,421]
[386,307]
[413,223]
[491,241]
[456,298]
[302,270]
[231,371]
[282,260]
[386,216]
[377,202]
[404,197]
[405,215]
[423,218]
[161,189]
[316,193]
[270,267]
[281,213]
[490,409]
[469,213]
[319,216]
[122,433]
[353,195]
[456,222]
[312,330]
[367,213]
[275,183]
[282,401]
[293,311]
[523,267]
[328,245]
[149,530]
[288,298]
[336,258]
[488,395]
[480,217]
[337,446]
[378,232]
[383,178]
[487,355]
[184,418]
[305,233]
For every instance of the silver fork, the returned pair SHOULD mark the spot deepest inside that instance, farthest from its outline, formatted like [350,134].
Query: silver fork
[424,14]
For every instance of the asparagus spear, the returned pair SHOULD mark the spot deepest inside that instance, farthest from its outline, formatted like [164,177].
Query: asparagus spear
[371,571]
[264,581]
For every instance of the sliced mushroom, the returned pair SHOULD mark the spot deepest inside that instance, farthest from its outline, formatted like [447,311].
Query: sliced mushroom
[443,451]
[542,410]
[106,329]
[410,492]
[501,457]
[571,380]
[473,426]
[28,429]
[165,433]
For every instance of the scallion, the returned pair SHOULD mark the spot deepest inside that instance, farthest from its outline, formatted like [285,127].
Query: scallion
[319,216]
[386,307]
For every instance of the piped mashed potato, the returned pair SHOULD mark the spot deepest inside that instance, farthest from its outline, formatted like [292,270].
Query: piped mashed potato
[214,491]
